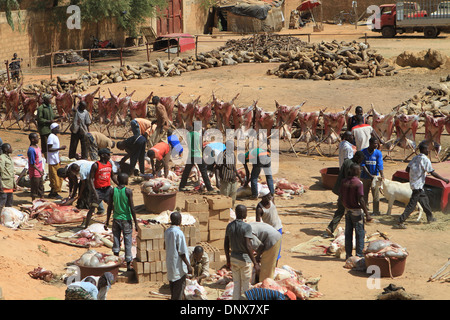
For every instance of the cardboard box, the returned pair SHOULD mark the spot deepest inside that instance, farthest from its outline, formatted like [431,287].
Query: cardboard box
[151,255]
[141,244]
[146,267]
[149,244]
[204,236]
[217,243]
[196,205]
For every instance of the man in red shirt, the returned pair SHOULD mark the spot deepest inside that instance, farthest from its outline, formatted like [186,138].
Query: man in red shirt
[100,182]
[160,152]
[352,196]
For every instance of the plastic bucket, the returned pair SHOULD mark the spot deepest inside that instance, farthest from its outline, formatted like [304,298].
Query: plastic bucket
[389,267]
[159,202]
[329,176]
[98,271]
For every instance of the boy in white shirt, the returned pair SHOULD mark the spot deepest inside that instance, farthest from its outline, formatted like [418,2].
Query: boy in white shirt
[418,169]
[54,163]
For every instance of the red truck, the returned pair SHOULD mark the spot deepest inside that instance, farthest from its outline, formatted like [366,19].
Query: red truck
[409,17]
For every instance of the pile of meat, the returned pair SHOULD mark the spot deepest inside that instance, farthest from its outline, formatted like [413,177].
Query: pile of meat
[41,274]
[93,258]
[385,248]
[158,185]
[51,213]
[286,279]
[283,186]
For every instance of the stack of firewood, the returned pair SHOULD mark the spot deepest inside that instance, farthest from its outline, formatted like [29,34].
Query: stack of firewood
[334,60]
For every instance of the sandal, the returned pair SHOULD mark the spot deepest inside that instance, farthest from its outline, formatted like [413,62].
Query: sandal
[399,226]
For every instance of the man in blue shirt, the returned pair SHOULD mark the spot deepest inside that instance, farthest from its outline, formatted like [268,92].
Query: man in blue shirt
[372,165]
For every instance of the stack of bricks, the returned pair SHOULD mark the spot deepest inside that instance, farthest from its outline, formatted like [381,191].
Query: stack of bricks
[213,254]
[150,262]
[213,214]
[219,217]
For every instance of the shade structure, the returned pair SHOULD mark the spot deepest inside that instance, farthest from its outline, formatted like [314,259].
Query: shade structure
[308,5]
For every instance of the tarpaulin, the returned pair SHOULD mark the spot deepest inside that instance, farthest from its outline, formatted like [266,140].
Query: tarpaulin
[257,9]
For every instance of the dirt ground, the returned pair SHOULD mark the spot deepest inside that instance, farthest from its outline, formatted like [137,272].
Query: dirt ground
[21,251]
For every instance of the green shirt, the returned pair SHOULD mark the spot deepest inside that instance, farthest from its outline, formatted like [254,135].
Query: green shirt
[7,171]
[195,145]
[45,117]
[122,210]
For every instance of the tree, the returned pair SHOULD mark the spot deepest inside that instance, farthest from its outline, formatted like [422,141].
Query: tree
[8,6]
[130,14]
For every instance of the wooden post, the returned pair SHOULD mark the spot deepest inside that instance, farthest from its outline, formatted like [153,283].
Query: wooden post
[121,57]
[90,56]
[148,53]
[196,46]
[168,48]
[365,37]
[309,37]
[254,42]
[7,71]
[51,65]
[178,47]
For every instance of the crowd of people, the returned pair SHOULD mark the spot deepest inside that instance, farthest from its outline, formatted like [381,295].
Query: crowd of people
[91,179]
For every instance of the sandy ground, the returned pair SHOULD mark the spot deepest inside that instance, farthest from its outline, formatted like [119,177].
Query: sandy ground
[23,250]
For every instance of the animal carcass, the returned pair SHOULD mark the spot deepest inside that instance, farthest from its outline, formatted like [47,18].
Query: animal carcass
[123,105]
[138,109]
[264,120]
[185,114]
[89,99]
[433,130]
[64,103]
[30,105]
[169,103]
[243,120]
[406,127]
[333,123]
[203,114]
[52,213]
[383,125]
[223,111]
[285,117]
[12,101]
[308,125]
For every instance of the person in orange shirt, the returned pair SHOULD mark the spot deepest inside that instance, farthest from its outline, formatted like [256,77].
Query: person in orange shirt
[160,152]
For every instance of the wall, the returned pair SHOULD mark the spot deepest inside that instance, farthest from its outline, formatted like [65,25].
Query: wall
[195,17]
[40,36]
[331,8]
[13,40]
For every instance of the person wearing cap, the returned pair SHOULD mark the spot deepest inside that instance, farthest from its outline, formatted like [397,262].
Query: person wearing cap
[267,212]
[266,242]
[174,141]
[260,160]
[54,163]
[44,118]
[100,176]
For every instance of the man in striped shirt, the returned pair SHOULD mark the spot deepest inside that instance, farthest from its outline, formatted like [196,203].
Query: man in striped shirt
[226,174]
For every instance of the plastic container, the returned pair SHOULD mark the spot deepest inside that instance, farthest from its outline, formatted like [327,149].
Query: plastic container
[98,271]
[329,176]
[159,202]
[389,267]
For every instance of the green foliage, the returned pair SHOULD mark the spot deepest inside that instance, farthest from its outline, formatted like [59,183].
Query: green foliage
[206,4]
[7,6]
[130,14]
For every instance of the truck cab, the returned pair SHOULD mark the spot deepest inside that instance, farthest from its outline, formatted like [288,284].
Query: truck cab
[409,17]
